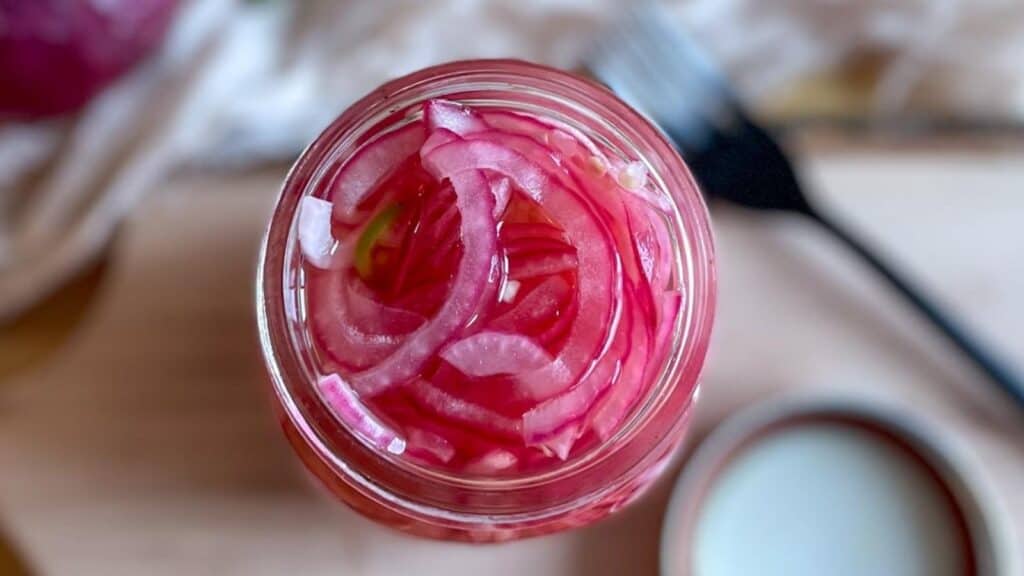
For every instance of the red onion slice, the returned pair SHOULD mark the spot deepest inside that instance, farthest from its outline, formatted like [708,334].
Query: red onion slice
[560,327]
[531,149]
[669,304]
[561,443]
[479,239]
[500,186]
[424,443]
[373,317]
[536,308]
[425,298]
[541,423]
[370,166]
[334,329]
[492,462]
[596,259]
[541,264]
[652,243]
[446,226]
[492,353]
[342,401]
[609,197]
[614,204]
[444,251]
[644,357]
[518,231]
[451,116]
[537,128]
[454,409]
[437,138]
[520,246]
[502,190]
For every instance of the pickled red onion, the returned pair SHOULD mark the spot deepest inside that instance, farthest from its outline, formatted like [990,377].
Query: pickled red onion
[491,462]
[455,409]
[652,242]
[451,116]
[371,165]
[347,407]
[490,353]
[333,326]
[516,306]
[516,231]
[502,190]
[541,264]
[640,366]
[595,257]
[424,442]
[542,422]
[372,316]
[561,443]
[535,127]
[479,238]
[538,306]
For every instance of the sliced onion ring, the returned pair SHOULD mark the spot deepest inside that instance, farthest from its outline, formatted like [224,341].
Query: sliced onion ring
[346,406]
[437,138]
[421,443]
[373,317]
[537,128]
[333,327]
[479,239]
[497,460]
[541,264]
[453,409]
[370,166]
[561,443]
[541,423]
[451,116]
[518,231]
[536,308]
[492,353]
[644,358]
[502,190]
[584,231]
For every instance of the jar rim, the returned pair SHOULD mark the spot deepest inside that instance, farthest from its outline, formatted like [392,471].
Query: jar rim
[384,105]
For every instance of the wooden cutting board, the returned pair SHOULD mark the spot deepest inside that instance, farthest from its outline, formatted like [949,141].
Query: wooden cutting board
[143,443]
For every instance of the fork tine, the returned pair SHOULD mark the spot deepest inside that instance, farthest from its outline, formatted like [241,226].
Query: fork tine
[657,70]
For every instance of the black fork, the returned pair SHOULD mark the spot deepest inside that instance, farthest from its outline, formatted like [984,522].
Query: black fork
[660,72]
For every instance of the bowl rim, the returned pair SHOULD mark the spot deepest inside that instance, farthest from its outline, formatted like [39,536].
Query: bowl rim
[988,528]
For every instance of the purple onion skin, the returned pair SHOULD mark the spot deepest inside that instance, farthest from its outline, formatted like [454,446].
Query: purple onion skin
[56,55]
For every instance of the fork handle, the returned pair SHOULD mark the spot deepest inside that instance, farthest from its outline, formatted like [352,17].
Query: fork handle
[998,371]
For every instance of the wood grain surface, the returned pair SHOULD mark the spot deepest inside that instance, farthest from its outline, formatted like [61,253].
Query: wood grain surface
[143,444]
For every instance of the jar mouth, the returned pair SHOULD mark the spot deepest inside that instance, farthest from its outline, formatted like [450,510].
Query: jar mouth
[528,88]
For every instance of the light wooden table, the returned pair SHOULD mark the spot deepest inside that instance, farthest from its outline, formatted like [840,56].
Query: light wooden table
[143,445]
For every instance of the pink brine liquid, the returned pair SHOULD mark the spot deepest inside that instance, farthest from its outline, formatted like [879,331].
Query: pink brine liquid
[488,294]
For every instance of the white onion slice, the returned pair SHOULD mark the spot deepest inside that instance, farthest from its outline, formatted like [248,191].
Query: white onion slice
[315,238]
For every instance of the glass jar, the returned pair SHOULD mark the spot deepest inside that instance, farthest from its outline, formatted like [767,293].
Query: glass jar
[429,502]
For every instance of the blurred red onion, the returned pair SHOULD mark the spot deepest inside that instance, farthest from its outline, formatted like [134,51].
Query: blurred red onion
[55,55]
